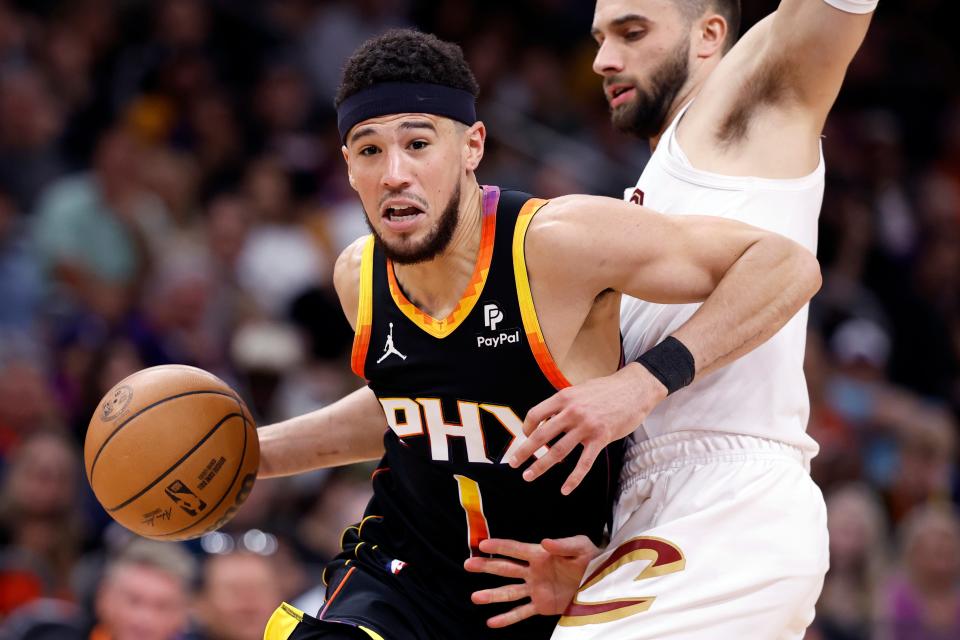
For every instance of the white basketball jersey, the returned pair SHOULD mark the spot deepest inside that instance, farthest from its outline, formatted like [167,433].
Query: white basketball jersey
[763,393]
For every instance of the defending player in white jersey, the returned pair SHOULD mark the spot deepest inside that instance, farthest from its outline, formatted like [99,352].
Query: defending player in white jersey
[719,531]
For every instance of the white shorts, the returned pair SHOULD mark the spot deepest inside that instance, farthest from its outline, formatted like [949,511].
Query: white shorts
[715,536]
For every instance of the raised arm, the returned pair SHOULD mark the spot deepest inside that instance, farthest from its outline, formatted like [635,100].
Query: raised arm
[761,110]
[816,40]
[752,283]
[347,431]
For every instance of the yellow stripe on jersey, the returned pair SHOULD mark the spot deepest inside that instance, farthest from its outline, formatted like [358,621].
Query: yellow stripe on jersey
[370,632]
[285,619]
[283,622]
[528,311]
[361,336]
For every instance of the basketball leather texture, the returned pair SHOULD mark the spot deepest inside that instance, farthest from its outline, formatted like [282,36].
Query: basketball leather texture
[172,452]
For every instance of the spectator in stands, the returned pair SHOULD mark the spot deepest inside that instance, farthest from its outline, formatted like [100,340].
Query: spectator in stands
[30,121]
[858,564]
[40,520]
[145,593]
[94,230]
[924,602]
[278,231]
[238,592]
[20,282]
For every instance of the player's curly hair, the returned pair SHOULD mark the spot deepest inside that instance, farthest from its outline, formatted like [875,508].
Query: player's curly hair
[405,55]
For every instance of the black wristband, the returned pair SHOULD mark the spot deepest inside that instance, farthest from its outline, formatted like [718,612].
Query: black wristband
[671,363]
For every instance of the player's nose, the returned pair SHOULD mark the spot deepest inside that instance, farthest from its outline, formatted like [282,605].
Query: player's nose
[396,174]
[608,60]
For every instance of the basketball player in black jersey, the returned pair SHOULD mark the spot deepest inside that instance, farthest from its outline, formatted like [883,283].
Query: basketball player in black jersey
[471,304]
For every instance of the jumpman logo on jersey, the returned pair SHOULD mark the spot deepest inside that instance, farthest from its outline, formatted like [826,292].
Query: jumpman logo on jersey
[389,349]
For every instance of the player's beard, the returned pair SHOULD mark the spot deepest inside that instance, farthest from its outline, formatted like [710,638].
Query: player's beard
[646,115]
[430,247]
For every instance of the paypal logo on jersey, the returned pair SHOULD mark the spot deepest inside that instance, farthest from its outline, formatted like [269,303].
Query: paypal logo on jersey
[502,338]
[492,316]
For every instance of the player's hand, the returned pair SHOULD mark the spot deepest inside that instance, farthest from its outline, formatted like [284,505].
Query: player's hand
[551,573]
[593,414]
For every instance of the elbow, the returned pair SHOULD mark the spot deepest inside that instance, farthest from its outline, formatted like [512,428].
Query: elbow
[798,270]
[807,270]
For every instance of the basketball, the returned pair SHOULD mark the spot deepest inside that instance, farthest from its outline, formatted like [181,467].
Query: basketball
[171,452]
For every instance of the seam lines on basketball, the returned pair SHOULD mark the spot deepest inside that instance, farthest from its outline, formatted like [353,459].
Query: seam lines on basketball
[178,462]
[233,482]
[93,465]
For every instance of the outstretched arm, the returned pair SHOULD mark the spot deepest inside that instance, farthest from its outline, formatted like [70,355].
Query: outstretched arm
[347,431]
[752,282]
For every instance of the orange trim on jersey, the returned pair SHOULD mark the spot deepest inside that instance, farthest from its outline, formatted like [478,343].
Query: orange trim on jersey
[528,311]
[336,592]
[361,336]
[442,328]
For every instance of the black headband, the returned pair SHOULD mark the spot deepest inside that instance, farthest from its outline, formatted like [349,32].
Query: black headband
[387,98]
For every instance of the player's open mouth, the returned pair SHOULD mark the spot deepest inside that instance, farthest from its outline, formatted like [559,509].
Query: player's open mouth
[401,218]
[619,94]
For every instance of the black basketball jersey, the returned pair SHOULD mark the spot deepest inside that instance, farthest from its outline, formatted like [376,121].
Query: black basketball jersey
[455,391]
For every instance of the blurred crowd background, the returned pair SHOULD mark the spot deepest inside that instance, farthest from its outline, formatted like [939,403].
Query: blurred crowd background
[171,190]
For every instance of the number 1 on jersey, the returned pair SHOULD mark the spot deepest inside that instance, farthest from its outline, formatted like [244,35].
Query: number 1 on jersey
[472,504]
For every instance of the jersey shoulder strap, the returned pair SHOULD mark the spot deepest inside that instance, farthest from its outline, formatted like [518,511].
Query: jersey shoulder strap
[523,207]
[361,334]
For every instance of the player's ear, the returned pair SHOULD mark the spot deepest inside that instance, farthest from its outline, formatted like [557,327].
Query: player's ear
[346,158]
[474,138]
[712,33]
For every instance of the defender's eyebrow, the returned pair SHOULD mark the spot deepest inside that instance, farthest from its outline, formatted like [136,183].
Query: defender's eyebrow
[619,22]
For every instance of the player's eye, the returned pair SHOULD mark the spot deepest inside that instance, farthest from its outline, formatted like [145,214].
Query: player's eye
[416,145]
[369,150]
[634,34]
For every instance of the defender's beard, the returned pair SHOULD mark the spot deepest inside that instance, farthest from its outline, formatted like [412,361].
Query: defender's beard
[405,252]
[646,115]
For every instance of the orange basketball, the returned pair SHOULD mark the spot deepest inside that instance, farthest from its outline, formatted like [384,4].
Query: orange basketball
[171,452]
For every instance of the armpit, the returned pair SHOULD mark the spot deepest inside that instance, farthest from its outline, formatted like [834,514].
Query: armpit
[770,84]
